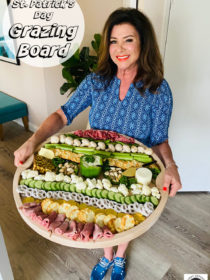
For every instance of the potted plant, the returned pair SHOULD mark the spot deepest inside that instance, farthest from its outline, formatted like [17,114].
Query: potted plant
[78,66]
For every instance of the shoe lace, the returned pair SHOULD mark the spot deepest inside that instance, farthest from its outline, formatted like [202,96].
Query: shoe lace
[103,263]
[120,263]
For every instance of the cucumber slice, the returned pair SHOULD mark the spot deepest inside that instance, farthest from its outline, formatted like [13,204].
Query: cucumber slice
[94,192]
[143,198]
[78,190]
[154,200]
[133,198]
[117,197]
[66,187]
[104,194]
[27,181]
[111,195]
[39,184]
[147,199]
[47,186]
[138,198]
[58,186]
[83,191]
[32,183]
[98,193]
[62,186]
[22,182]
[88,192]
[53,186]
[72,188]
[128,200]
[122,199]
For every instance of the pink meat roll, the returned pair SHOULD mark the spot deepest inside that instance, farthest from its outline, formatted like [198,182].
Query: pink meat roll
[57,222]
[48,220]
[97,232]
[62,228]
[60,218]
[72,230]
[87,232]
[107,232]
[40,217]
[29,205]
[30,212]
[80,227]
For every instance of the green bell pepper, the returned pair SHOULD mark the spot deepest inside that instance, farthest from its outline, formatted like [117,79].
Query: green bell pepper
[90,165]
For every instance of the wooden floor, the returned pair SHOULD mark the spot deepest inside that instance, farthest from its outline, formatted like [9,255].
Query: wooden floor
[178,243]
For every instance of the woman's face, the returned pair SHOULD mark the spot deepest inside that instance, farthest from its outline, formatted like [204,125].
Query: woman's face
[124,46]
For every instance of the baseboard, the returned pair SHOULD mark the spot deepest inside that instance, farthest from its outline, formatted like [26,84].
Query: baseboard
[32,127]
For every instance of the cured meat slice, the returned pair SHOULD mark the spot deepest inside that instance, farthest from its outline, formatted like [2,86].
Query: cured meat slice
[40,217]
[62,228]
[31,212]
[72,230]
[80,227]
[29,205]
[107,232]
[97,232]
[60,218]
[103,135]
[57,222]
[48,220]
[87,232]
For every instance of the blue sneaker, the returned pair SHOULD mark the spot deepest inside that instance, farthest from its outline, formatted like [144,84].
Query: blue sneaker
[118,271]
[100,270]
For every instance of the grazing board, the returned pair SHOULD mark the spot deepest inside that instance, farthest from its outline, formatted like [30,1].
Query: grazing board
[85,176]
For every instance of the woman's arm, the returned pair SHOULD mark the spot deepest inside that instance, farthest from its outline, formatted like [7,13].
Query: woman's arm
[171,177]
[50,126]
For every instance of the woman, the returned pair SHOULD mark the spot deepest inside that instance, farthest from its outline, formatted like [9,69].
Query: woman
[127,94]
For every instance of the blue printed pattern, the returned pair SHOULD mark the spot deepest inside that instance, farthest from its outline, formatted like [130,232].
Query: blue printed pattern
[145,118]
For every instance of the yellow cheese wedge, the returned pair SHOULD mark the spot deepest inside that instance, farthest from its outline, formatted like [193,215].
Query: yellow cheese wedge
[46,153]
[130,172]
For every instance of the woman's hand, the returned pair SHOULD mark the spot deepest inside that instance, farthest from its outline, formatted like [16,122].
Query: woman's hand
[24,152]
[171,178]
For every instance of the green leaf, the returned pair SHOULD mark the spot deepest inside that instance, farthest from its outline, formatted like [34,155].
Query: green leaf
[73,60]
[96,43]
[84,54]
[67,75]
[64,88]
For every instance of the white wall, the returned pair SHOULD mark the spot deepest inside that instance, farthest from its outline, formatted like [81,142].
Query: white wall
[40,88]
[157,12]
[187,69]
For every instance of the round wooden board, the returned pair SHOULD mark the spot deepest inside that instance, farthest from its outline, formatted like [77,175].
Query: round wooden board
[118,238]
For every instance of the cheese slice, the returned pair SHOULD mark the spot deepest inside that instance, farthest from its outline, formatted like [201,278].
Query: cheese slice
[46,153]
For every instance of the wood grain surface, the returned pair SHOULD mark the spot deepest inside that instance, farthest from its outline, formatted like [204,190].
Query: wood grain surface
[178,243]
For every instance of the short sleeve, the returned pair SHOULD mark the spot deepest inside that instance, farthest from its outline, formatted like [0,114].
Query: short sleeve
[161,114]
[79,101]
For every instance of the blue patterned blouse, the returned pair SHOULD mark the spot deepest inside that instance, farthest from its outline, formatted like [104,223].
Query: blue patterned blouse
[145,118]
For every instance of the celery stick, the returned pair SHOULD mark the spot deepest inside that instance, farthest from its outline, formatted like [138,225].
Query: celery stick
[103,153]
[123,157]
[142,159]
[64,147]
[50,146]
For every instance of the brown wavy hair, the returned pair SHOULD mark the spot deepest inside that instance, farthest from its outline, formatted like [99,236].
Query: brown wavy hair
[150,67]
